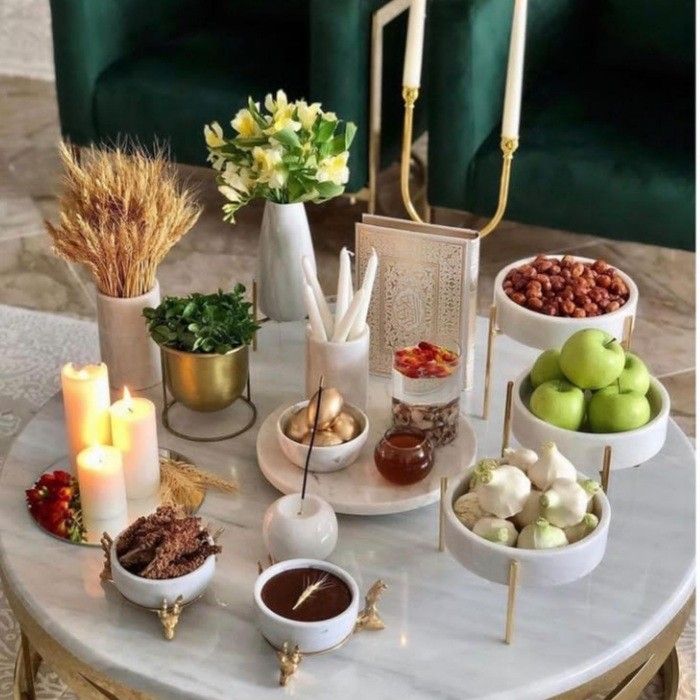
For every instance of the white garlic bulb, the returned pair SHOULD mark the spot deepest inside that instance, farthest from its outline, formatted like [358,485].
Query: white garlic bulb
[541,535]
[566,502]
[551,465]
[531,510]
[496,530]
[577,532]
[520,457]
[468,510]
[501,491]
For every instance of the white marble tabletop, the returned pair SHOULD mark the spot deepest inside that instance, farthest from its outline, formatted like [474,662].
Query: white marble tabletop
[444,625]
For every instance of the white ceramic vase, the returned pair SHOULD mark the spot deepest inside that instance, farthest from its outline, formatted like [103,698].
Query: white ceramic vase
[285,239]
[132,357]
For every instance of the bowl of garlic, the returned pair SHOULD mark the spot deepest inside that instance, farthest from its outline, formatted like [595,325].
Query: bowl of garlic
[341,434]
[535,509]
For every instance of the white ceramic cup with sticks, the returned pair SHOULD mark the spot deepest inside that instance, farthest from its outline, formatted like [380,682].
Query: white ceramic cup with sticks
[345,366]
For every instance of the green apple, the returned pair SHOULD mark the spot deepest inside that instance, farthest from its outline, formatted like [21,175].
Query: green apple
[592,359]
[635,375]
[616,410]
[560,403]
[546,367]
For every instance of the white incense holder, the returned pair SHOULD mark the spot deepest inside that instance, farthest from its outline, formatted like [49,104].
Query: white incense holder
[288,534]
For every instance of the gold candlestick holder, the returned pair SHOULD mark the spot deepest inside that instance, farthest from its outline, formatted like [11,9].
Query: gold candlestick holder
[509,144]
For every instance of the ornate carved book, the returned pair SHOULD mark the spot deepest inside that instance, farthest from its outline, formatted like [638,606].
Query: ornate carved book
[425,289]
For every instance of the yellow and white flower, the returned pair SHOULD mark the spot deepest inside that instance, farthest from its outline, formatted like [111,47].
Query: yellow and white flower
[330,116]
[272,105]
[269,165]
[214,135]
[237,178]
[245,124]
[307,113]
[230,194]
[334,169]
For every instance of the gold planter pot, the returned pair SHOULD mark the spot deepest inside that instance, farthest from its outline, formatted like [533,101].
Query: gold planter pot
[205,382]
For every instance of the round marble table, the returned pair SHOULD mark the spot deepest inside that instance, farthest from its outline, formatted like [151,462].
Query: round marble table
[444,626]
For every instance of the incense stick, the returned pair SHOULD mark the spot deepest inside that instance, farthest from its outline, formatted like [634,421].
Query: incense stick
[311,443]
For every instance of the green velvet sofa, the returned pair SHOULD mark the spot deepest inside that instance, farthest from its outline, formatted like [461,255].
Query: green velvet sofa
[164,68]
[607,131]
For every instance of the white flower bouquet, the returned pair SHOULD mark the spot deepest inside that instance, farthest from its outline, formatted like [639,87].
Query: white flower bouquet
[293,152]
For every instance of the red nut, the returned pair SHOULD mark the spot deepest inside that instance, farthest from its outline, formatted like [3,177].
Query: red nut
[566,287]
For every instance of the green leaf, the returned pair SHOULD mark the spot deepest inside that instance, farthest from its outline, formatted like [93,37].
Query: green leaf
[325,130]
[250,142]
[287,138]
[350,131]
[328,189]
[337,146]
[259,119]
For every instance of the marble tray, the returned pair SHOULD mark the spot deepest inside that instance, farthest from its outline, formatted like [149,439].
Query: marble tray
[360,489]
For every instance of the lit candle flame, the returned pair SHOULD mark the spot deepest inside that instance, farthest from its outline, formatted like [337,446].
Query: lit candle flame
[127,400]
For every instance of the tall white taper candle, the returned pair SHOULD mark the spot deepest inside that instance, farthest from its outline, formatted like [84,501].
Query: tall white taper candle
[413,58]
[344,294]
[514,77]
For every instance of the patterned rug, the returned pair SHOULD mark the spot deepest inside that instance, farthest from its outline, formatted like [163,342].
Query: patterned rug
[33,347]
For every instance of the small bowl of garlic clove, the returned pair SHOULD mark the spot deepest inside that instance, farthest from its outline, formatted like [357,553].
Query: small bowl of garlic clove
[340,436]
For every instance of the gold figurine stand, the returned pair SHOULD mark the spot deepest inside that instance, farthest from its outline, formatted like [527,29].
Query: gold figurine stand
[168,613]
[494,331]
[514,570]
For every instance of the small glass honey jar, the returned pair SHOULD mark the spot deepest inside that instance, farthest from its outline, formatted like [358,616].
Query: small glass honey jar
[404,455]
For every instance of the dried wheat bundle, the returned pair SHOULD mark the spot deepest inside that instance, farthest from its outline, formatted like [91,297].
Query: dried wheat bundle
[120,213]
[183,484]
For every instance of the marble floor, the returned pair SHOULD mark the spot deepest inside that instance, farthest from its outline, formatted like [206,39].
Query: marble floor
[215,254]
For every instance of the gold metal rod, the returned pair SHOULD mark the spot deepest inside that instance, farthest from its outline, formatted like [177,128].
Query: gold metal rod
[28,665]
[441,514]
[629,330]
[410,95]
[605,473]
[489,362]
[507,417]
[513,575]
[508,147]
[255,313]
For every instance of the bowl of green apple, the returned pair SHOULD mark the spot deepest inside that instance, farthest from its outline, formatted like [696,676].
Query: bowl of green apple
[590,394]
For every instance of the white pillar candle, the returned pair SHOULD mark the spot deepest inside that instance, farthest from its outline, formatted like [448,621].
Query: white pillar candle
[101,482]
[135,435]
[86,407]
[413,59]
[514,77]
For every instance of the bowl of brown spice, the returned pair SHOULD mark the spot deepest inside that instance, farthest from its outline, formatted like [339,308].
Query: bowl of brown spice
[541,301]
[163,556]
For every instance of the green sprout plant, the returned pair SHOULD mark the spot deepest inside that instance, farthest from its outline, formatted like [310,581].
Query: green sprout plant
[203,323]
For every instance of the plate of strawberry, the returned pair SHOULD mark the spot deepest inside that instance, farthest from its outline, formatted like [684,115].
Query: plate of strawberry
[54,504]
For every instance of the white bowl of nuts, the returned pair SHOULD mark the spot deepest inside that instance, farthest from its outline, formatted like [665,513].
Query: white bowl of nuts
[542,301]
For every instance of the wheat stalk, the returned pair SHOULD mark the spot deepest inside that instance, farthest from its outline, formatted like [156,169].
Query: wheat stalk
[183,484]
[120,213]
